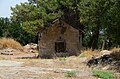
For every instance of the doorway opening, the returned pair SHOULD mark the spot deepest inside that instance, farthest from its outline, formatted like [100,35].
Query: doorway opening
[60,45]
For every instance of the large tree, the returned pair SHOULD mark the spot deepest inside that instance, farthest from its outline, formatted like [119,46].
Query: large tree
[13,30]
[100,18]
[93,16]
[113,23]
[36,15]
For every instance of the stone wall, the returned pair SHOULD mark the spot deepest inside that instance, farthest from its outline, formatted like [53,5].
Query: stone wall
[51,34]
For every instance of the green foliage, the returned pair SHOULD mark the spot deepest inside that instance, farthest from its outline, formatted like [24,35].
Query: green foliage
[70,74]
[35,15]
[82,55]
[113,23]
[99,16]
[102,74]
[13,30]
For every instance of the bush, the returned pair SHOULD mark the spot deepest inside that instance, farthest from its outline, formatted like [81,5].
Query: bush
[10,43]
[70,74]
[102,74]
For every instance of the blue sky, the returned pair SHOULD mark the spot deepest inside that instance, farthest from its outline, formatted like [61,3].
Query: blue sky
[5,6]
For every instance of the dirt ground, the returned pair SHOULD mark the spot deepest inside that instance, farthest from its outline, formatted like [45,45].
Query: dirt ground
[12,68]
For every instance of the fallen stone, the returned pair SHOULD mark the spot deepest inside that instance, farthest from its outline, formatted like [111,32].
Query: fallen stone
[8,51]
[106,52]
[31,48]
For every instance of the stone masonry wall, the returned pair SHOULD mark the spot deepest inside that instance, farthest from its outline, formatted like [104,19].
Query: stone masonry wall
[50,35]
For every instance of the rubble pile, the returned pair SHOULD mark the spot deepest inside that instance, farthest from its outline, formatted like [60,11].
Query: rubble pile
[9,51]
[29,51]
[31,48]
[107,60]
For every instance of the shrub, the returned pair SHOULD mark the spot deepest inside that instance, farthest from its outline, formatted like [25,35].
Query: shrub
[102,74]
[10,43]
[70,74]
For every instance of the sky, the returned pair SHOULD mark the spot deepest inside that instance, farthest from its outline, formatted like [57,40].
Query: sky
[5,6]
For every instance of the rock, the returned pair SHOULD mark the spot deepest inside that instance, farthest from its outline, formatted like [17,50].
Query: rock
[8,51]
[106,52]
[31,48]
[31,45]
[93,62]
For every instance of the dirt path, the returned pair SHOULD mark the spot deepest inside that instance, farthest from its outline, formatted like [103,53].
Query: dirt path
[43,69]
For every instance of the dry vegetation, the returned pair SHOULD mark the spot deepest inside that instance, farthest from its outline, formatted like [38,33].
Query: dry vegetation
[56,64]
[10,43]
[89,53]
[116,53]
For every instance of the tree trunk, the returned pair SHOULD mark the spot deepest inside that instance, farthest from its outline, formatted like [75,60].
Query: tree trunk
[95,35]
[39,37]
[80,40]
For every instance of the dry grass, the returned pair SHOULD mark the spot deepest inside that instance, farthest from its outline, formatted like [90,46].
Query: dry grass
[115,49]
[90,52]
[10,43]
[116,53]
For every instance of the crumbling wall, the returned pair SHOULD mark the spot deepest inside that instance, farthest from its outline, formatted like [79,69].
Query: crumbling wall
[51,34]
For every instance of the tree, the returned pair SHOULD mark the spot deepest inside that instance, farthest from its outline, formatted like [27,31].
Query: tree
[93,18]
[13,30]
[4,24]
[113,23]
[37,15]
[93,14]
[70,9]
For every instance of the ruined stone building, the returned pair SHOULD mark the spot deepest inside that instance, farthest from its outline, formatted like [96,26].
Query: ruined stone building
[59,39]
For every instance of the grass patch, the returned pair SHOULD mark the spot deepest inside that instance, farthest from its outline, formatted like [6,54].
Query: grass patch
[70,74]
[102,74]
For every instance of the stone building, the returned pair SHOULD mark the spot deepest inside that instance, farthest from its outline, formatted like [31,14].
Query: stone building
[60,39]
